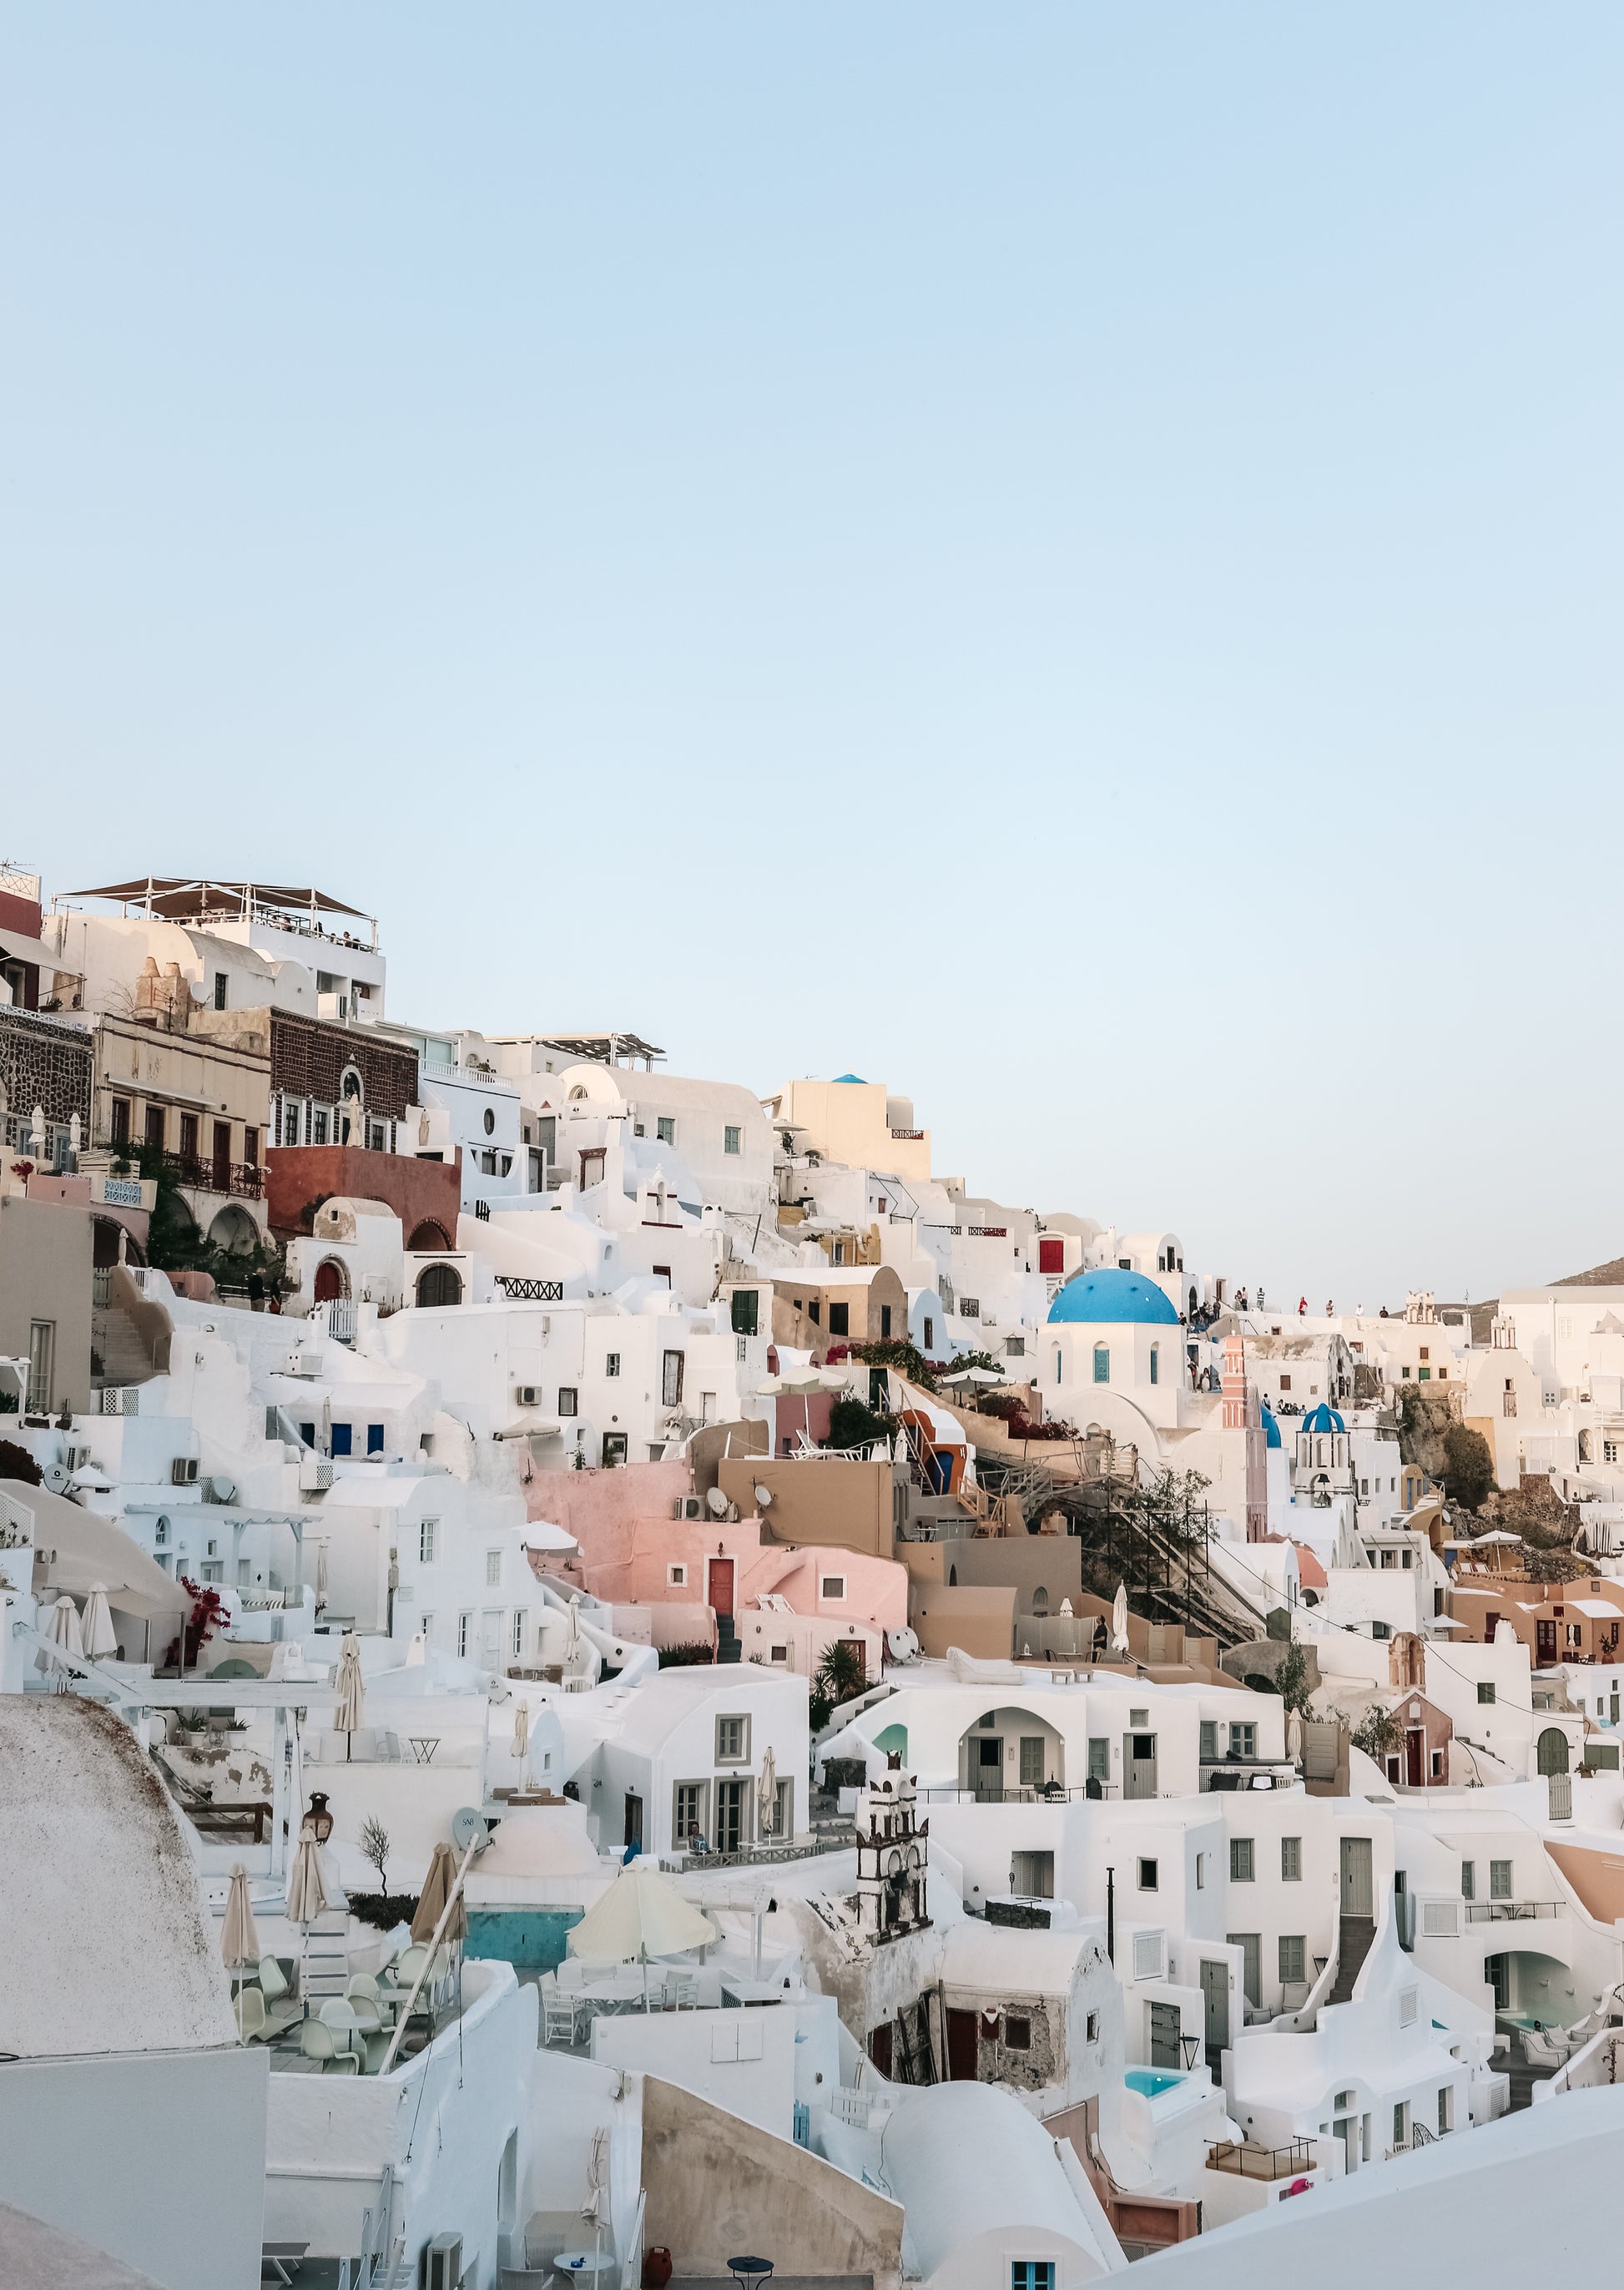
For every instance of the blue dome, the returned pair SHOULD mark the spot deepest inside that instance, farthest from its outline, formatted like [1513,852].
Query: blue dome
[856,1077]
[1271,1429]
[1113,1298]
[1323,1418]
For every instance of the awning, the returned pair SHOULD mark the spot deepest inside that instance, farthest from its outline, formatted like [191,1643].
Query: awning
[17,947]
[187,898]
[72,1549]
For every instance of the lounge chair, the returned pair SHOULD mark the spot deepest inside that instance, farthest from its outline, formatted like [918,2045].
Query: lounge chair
[1545,2047]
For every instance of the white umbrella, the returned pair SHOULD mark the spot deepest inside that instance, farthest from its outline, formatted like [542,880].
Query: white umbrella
[65,1633]
[239,1939]
[1119,1620]
[1294,1738]
[521,1731]
[100,1635]
[321,1577]
[571,1633]
[641,1915]
[347,1716]
[306,1899]
[766,1795]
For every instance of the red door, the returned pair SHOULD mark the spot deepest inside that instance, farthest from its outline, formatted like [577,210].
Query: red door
[963,2051]
[1051,1256]
[1414,1745]
[1545,1648]
[720,1593]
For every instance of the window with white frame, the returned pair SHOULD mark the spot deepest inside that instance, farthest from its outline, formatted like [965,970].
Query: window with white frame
[521,1623]
[493,1570]
[730,1138]
[833,1586]
[465,1622]
[426,1534]
[733,1741]
[677,1577]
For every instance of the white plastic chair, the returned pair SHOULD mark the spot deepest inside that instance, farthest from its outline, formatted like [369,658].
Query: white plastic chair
[319,2041]
[558,2017]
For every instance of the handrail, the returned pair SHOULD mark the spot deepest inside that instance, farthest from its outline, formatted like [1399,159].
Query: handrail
[118,1688]
[451,1899]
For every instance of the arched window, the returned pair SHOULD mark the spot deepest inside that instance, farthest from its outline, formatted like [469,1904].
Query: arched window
[1103,1364]
[1553,1751]
[1156,1363]
[1040,1600]
[331,1281]
[438,1284]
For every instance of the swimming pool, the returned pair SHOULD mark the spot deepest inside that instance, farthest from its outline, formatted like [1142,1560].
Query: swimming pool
[530,1938]
[1151,2082]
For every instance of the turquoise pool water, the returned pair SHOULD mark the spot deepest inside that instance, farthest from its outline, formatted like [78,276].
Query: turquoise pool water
[1151,2082]
[532,1939]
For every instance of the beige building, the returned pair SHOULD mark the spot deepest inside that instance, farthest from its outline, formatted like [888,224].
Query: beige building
[195,1084]
[46,1261]
[835,1304]
[855,1122]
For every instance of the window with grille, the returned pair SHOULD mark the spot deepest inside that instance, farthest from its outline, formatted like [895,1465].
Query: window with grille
[1032,2274]
[1291,1860]
[611,1364]
[1293,1956]
[1243,1868]
[568,1399]
[730,1138]
[1148,1955]
[733,1741]
[1499,1880]
[493,1570]
[426,1542]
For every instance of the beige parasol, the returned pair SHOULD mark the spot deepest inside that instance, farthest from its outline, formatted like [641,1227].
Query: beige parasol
[431,1902]
[101,1637]
[239,1941]
[346,1717]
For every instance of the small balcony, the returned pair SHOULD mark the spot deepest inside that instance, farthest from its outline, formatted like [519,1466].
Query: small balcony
[1293,2160]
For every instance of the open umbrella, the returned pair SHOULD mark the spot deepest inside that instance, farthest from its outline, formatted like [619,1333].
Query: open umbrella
[1119,1620]
[766,1795]
[431,1902]
[307,1898]
[65,1633]
[641,1915]
[347,1716]
[239,1939]
[100,1635]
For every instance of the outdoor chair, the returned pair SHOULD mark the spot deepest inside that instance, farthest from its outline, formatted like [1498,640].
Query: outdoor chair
[1545,2047]
[558,2017]
[257,2025]
[682,1992]
[273,1987]
[319,2041]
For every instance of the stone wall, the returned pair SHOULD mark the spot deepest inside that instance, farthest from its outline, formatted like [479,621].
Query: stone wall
[45,1062]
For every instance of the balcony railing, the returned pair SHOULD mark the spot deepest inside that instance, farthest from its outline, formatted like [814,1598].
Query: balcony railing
[1511,1912]
[196,1172]
[1246,2161]
[1055,1794]
[520,1289]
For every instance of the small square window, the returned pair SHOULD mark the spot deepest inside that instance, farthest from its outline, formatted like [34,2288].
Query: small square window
[568,1401]
[730,1140]
[1485,1690]
[1017,2032]
[664,1129]
[1148,1877]
[611,1365]
[677,1577]
[733,1741]
[832,1586]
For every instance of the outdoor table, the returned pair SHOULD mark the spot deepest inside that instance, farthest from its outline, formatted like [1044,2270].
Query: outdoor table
[748,2271]
[423,1746]
[736,1990]
[589,2263]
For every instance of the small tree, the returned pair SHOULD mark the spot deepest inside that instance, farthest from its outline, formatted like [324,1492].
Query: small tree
[1469,1467]
[839,1676]
[1376,1734]
[1292,1680]
[374,1842]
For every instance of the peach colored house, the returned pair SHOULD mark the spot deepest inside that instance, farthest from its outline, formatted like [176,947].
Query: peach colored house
[635,1552]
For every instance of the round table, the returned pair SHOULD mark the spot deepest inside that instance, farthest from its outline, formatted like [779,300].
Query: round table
[748,2271]
[589,2263]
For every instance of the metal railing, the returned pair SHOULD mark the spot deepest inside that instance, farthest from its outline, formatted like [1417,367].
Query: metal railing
[519,1289]
[1036,1794]
[198,1173]
[1248,2162]
[1511,1912]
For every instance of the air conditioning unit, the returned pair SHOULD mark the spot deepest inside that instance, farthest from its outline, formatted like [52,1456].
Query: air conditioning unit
[183,1471]
[687,1507]
[441,2266]
[302,1364]
[529,1394]
[75,1456]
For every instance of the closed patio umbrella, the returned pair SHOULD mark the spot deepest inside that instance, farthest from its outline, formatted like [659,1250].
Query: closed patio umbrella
[100,1635]
[347,1716]
[65,1633]
[321,1578]
[1119,1620]
[431,1902]
[521,1731]
[307,1898]
[766,1795]
[239,1939]
[1294,1738]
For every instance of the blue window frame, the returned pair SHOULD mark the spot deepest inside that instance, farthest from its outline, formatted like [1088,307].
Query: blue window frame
[1032,2274]
[306,1432]
[340,1439]
[1103,1364]
[374,1439]
[1156,1364]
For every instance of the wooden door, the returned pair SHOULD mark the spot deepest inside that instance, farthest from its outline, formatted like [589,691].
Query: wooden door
[1251,1945]
[1358,1893]
[1138,1765]
[1415,1761]
[222,1156]
[1545,1643]
[987,1775]
[1165,2020]
[880,2047]
[720,1586]
[1215,2002]
[634,1820]
[963,2048]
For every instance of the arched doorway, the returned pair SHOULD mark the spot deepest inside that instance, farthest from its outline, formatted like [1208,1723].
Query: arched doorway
[233,1231]
[439,1284]
[1552,1750]
[104,1235]
[331,1281]
[426,1239]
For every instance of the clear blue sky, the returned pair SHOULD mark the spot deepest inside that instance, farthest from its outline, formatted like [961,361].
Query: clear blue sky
[1065,556]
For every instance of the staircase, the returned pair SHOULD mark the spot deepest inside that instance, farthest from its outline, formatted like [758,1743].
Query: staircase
[1353,1946]
[119,1353]
[727,1639]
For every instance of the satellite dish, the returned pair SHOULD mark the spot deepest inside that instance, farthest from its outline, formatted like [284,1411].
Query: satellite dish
[468,1828]
[55,1476]
[763,1496]
[225,1491]
[718,1502]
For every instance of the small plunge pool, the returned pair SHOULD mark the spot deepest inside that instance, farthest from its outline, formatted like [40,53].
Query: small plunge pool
[1150,2082]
